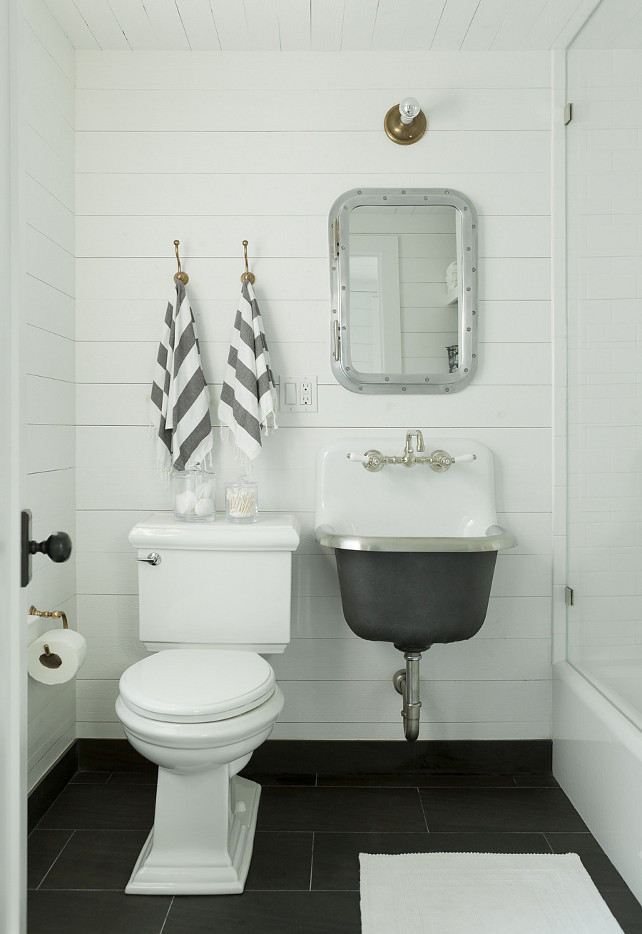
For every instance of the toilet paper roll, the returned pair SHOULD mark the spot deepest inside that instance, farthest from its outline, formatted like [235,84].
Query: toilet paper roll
[67,650]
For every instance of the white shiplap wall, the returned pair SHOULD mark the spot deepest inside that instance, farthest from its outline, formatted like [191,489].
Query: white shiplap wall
[48,74]
[214,148]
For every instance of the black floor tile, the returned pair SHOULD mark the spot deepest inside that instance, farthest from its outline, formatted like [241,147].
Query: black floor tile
[626,909]
[311,828]
[90,778]
[96,859]
[266,913]
[103,807]
[330,809]
[594,859]
[335,860]
[289,778]
[51,785]
[44,847]
[501,757]
[95,913]
[133,778]
[536,780]
[414,780]
[280,861]
[335,863]
[455,756]
[519,810]
[112,755]
[302,756]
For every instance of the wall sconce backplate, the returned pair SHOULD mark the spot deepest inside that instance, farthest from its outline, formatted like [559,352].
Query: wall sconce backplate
[401,133]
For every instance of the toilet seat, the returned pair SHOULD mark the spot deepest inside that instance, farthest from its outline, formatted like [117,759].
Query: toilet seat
[197,685]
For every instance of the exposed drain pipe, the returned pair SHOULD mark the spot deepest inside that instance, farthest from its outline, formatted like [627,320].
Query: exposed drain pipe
[406,683]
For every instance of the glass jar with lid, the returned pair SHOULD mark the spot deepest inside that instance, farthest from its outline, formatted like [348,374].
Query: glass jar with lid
[194,494]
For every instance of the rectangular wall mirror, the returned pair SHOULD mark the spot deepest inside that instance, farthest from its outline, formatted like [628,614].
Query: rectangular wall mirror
[403,266]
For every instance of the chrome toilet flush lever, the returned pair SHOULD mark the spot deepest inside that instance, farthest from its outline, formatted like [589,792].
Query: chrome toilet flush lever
[152,558]
[438,460]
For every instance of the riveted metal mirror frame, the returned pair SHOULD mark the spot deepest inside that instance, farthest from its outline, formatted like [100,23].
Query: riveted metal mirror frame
[342,358]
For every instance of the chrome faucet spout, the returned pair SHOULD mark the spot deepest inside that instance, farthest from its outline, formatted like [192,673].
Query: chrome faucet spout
[408,451]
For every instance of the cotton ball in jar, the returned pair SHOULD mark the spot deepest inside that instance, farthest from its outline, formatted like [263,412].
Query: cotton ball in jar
[185,502]
[204,507]
[204,490]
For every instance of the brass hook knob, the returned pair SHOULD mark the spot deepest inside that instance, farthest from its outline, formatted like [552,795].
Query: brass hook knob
[247,276]
[180,275]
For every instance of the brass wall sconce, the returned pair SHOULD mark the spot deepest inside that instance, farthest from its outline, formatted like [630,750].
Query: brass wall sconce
[406,122]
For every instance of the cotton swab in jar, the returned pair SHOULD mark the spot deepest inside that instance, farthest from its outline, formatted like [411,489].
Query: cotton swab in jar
[241,504]
[241,500]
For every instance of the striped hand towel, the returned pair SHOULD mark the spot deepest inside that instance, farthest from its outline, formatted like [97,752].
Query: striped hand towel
[248,396]
[180,397]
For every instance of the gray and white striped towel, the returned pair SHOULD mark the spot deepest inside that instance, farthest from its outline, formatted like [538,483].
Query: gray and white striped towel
[248,397]
[180,397]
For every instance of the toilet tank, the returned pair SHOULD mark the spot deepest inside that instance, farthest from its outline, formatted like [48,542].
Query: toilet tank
[217,584]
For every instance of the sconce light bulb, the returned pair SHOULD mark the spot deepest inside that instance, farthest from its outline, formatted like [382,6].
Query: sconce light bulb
[409,108]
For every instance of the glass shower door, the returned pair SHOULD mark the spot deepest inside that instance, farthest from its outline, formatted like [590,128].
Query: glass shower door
[604,269]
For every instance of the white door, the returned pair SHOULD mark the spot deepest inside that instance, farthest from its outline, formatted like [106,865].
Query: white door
[12,651]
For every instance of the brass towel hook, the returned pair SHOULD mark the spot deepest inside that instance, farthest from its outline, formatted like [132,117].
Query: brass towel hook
[50,614]
[180,275]
[247,276]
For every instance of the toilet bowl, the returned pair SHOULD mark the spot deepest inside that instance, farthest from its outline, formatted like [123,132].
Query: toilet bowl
[199,715]
[211,597]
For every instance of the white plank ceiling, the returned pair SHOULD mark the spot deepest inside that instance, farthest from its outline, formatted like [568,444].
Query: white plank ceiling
[324,25]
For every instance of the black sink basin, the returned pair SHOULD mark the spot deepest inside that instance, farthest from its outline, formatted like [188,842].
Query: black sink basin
[414,599]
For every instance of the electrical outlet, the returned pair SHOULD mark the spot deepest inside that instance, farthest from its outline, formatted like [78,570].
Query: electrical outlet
[297,393]
[306,393]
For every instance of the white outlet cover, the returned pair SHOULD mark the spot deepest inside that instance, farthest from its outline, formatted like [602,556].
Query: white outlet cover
[285,393]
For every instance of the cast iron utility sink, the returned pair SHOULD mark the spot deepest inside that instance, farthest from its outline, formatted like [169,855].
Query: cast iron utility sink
[415,547]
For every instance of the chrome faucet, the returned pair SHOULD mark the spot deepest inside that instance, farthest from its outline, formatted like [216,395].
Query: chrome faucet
[439,460]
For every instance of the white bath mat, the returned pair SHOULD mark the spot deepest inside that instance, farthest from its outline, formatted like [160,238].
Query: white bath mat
[480,893]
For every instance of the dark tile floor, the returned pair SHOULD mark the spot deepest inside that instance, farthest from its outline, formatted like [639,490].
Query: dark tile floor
[304,876]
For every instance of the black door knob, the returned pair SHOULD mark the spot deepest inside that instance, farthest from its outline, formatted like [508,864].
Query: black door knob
[57,547]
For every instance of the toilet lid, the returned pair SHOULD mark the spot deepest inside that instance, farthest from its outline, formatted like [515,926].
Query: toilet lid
[197,685]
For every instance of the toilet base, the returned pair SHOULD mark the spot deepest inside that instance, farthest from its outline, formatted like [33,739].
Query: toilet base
[207,864]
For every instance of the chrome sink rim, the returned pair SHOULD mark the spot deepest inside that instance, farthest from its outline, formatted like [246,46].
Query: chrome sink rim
[497,541]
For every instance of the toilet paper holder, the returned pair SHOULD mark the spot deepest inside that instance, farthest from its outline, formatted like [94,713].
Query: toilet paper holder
[48,658]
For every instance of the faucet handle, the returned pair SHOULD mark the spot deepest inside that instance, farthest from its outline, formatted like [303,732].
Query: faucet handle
[442,460]
[372,460]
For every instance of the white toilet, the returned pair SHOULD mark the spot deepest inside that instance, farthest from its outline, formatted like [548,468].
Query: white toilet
[212,595]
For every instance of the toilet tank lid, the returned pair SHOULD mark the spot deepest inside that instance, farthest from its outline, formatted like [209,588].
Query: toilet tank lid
[192,685]
[276,532]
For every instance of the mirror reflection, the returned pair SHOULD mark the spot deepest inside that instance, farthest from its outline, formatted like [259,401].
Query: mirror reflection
[402,270]
[403,276]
